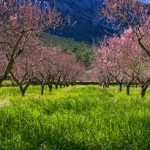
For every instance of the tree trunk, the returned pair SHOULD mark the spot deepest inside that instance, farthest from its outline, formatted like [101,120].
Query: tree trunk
[1,80]
[120,87]
[143,89]
[107,85]
[103,85]
[42,89]
[56,86]
[50,87]
[23,89]
[120,84]
[23,93]
[128,88]
[67,84]
[136,85]
[72,84]
[12,83]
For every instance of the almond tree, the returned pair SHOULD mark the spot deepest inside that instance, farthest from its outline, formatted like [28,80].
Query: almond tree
[133,14]
[54,66]
[135,61]
[144,76]
[6,6]
[22,71]
[3,63]
[109,61]
[71,70]
[131,56]
[123,59]
[18,25]
[59,61]
[46,70]
[67,68]
[76,72]
[113,58]
[101,66]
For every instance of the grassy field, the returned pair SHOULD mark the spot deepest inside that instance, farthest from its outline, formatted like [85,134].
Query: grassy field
[74,118]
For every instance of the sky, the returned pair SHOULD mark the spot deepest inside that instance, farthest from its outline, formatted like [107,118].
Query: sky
[145,1]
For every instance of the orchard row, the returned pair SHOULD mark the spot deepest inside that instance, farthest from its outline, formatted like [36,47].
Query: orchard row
[121,59]
[23,58]
[126,58]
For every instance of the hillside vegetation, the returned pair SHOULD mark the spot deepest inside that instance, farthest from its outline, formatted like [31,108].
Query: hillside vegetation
[81,50]
[81,117]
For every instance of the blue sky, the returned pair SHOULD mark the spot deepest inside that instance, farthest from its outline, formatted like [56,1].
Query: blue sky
[146,1]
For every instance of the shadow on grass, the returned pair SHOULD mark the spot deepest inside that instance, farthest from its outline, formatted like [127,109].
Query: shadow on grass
[105,92]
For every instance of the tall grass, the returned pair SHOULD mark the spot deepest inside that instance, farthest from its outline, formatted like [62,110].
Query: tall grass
[74,118]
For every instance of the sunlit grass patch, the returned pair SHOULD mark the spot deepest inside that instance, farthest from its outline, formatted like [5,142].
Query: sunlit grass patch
[73,118]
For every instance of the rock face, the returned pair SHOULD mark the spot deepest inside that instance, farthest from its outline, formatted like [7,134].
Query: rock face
[80,9]
[82,25]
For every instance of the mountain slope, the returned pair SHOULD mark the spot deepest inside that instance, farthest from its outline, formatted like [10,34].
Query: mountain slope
[82,24]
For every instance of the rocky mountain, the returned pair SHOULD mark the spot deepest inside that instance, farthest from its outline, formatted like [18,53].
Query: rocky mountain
[82,24]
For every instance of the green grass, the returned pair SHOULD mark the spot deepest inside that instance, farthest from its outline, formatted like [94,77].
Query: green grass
[74,118]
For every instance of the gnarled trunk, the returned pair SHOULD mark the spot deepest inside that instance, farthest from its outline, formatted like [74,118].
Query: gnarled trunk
[23,89]
[120,82]
[50,87]
[120,87]
[143,90]
[144,86]
[42,89]
[56,86]
[128,88]
[22,92]
[1,80]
